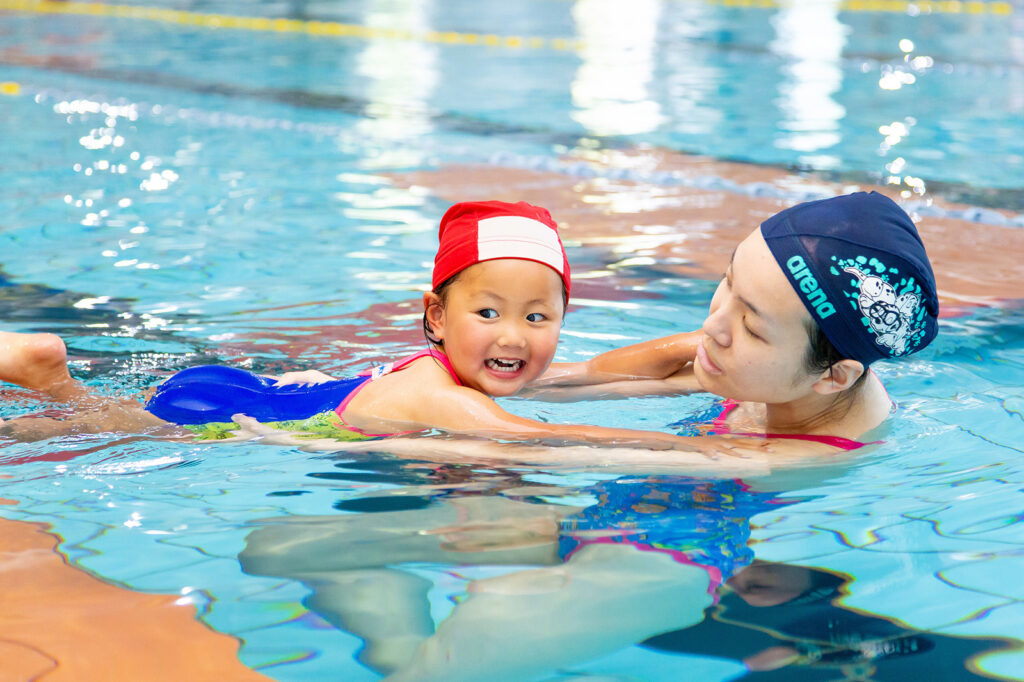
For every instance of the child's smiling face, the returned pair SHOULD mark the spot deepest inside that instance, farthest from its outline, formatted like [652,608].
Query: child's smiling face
[500,323]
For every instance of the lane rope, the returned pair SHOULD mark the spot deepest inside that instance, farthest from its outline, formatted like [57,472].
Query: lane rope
[334,29]
[890,6]
[329,29]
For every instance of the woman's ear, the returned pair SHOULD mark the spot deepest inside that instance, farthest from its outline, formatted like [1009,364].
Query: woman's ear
[839,377]
[433,317]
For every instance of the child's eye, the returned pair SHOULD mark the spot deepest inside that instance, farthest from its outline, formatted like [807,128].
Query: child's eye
[487,313]
[536,317]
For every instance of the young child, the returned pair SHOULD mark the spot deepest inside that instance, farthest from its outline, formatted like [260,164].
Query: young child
[501,284]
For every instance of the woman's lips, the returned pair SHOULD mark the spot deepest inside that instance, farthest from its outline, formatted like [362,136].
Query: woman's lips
[705,361]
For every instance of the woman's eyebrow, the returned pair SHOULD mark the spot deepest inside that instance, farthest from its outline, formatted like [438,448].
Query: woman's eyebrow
[753,308]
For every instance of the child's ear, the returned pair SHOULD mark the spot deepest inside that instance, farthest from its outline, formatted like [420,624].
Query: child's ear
[433,316]
[839,377]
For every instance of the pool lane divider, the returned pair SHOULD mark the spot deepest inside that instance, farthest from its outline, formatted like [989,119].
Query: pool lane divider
[330,29]
[885,6]
[334,29]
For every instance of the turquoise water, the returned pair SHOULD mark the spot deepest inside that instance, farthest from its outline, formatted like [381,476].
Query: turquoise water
[175,195]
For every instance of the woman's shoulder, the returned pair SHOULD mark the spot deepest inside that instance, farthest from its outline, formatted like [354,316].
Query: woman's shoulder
[848,427]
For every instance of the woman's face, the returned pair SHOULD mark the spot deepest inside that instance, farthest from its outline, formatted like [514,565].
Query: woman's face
[755,337]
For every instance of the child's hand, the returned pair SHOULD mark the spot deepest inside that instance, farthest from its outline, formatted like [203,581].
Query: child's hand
[306,378]
[252,429]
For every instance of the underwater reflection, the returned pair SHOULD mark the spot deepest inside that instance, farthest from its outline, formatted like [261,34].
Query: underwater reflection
[658,560]
[644,557]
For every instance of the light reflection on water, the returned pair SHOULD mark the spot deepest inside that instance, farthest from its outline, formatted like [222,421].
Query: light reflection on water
[697,77]
[810,38]
[612,89]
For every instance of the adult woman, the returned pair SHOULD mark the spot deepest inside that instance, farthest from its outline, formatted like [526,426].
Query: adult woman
[810,299]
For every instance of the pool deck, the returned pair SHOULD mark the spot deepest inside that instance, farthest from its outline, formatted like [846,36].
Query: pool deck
[61,623]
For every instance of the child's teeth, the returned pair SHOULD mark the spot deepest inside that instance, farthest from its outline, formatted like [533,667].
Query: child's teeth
[504,365]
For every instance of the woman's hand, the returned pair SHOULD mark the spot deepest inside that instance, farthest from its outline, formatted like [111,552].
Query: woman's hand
[657,359]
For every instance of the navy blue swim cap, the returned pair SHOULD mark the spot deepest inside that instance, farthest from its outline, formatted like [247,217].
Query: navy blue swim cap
[858,264]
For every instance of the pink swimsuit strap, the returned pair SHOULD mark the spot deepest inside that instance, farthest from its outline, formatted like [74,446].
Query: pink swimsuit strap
[719,426]
[384,370]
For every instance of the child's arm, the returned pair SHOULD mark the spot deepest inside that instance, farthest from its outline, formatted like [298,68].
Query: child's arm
[480,451]
[465,411]
[423,396]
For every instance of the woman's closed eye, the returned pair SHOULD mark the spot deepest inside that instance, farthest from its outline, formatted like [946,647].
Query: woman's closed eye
[752,332]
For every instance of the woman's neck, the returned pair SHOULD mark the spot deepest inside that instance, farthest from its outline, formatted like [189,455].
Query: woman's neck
[834,414]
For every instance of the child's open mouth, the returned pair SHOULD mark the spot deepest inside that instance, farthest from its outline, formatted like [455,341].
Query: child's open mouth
[501,365]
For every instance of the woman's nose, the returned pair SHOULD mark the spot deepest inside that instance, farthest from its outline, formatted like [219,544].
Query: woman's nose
[716,327]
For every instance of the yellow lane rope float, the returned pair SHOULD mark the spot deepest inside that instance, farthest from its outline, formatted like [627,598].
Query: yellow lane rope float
[336,29]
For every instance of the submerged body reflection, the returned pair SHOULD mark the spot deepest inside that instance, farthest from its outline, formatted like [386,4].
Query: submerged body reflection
[657,560]
[643,559]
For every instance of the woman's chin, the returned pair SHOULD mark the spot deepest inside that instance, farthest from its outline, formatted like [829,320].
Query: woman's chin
[709,383]
[704,380]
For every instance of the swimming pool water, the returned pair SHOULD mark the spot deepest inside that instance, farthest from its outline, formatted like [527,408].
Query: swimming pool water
[174,194]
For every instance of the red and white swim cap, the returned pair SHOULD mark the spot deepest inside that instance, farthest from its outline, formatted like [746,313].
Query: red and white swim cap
[476,231]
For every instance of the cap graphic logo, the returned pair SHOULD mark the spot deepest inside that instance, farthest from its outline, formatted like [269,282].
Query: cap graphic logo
[808,287]
[891,317]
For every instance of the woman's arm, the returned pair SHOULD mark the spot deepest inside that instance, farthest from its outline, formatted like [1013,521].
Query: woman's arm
[656,359]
